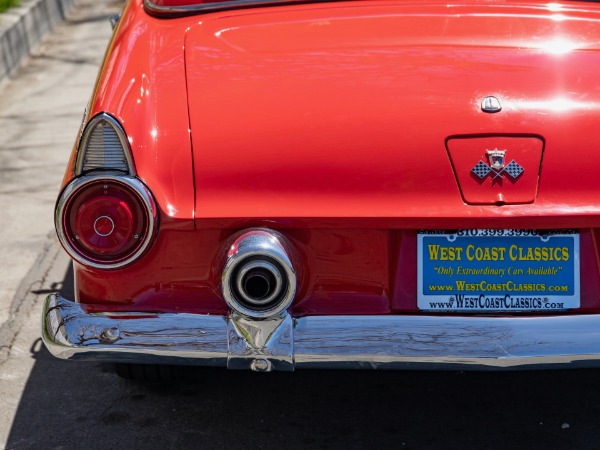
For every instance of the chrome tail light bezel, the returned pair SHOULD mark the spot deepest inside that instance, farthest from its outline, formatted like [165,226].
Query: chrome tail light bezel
[142,193]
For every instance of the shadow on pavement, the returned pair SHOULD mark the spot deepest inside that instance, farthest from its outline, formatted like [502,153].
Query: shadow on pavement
[85,405]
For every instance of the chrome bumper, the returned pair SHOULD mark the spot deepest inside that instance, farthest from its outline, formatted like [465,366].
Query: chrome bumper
[286,343]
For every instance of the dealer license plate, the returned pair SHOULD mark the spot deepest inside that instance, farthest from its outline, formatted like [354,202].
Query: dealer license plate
[498,270]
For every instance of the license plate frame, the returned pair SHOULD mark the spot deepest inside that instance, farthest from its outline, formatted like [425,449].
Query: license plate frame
[488,270]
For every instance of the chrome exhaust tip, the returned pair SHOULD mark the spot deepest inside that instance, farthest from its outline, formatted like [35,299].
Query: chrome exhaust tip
[259,280]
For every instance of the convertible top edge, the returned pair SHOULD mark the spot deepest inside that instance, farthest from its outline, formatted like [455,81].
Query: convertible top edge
[165,9]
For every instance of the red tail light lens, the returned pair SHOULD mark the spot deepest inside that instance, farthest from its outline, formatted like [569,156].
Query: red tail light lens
[106,221]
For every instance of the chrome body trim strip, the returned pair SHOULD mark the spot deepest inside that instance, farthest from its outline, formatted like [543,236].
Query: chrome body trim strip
[133,183]
[374,342]
[114,20]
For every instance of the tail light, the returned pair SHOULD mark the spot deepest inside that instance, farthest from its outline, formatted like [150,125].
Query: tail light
[106,221]
[105,217]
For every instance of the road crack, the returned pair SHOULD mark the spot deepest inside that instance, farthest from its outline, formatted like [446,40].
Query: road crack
[27,297]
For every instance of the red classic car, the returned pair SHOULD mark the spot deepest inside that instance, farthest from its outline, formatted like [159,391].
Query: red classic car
[280,184]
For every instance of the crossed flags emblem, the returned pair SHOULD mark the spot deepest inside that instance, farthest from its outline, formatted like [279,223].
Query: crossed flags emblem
[496,167]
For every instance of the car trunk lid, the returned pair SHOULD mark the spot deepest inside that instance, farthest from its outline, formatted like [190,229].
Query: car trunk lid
[364,109]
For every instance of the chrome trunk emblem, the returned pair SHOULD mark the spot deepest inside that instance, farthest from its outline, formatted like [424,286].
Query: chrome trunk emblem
[496,158]
[496,166]
[491,104]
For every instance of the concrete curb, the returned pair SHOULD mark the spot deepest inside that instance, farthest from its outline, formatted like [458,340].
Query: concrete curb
[22,28]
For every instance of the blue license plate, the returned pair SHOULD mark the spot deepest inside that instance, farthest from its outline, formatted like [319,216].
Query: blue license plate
[498,270]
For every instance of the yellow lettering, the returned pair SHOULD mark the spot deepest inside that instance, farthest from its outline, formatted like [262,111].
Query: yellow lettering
[501,252]
[470,249]
[444,253]
[433,252]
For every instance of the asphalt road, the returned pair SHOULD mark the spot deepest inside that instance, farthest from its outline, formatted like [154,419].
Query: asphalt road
[51,404]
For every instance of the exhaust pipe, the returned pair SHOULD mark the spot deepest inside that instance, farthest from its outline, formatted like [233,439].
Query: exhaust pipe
[259,280]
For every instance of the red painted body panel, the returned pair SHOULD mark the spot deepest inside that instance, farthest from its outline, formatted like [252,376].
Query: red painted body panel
[345,111]
[346,271]
[329,123]
[142,84]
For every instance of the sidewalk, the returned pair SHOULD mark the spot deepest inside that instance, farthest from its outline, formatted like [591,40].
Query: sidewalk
[41,108]
[21,29]
[40,112]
